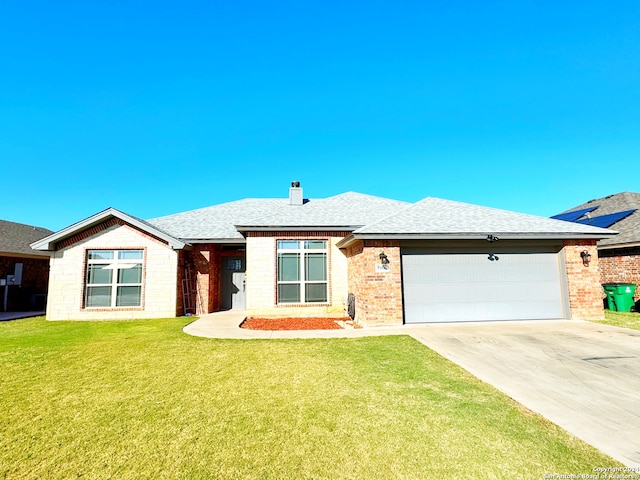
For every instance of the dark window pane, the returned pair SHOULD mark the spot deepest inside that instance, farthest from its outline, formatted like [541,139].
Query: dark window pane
[234,264]
[128,297]
[98,274]
[98,297]
[315,244]
[288,267]
[316,266]
[289,293]
[315,292]
[130,275]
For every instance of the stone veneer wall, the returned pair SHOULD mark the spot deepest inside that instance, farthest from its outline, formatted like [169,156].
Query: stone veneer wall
[67,276]
[378,295]
[621,269]
[261,270]
[585,290]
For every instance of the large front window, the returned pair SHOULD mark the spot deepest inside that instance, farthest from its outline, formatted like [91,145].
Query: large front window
[114,278]
[302,271]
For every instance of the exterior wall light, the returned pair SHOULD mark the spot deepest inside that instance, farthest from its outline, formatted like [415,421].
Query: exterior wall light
[586,258]
[384,259]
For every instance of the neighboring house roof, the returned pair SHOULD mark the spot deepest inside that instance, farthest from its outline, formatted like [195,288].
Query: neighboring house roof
[345,211]
[48,243]
[15,238]
[628,225]
[439,218]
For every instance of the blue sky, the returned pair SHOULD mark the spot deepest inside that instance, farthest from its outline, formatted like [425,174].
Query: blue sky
[160,107]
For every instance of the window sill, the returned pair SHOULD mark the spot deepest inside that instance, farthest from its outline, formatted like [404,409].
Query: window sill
[112,309]
[308,304]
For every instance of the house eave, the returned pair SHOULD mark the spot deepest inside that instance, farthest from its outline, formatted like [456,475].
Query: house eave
[226,241]
[33,256]
[619,245]
[467,236]
[297,228]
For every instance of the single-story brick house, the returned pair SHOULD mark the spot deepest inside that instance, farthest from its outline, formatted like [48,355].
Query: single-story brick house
[618,256]
[24,272]
[386,261]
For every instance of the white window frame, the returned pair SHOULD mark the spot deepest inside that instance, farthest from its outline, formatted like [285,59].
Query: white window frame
[115,264]
[301,250]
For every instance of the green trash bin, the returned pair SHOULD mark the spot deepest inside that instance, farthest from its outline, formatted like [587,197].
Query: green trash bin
[620,296]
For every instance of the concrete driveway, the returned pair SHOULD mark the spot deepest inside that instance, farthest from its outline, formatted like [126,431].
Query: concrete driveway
[582,376]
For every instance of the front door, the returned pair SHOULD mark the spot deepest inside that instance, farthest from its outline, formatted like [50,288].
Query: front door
[233,283]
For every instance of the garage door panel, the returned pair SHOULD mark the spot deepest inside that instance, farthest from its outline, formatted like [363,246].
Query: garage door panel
[471,287]
[481,291]
[478,311]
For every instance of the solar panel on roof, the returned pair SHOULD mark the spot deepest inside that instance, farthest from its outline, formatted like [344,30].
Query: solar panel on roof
[605,221]
[575,215]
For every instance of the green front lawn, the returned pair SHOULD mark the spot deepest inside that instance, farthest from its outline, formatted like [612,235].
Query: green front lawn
[621,319]
[143,400]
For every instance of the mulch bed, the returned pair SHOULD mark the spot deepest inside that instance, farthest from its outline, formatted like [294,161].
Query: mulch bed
[292,323]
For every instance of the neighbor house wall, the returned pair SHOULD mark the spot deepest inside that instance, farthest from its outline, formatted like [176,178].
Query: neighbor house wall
[67,272]
[378,294]
[35,278]
[621,268]
[261,260]
[583,281]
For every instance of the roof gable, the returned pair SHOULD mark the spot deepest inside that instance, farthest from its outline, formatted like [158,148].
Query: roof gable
[49,242]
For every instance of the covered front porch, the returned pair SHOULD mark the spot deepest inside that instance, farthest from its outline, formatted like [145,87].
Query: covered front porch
[211,278]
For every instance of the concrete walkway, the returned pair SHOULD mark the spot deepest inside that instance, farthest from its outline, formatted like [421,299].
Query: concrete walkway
[582,376]
[5,316]
[227,325]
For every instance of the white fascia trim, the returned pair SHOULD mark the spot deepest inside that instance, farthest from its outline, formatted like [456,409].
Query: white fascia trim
[46,244]
[298,228]
[233,241]
[470,236]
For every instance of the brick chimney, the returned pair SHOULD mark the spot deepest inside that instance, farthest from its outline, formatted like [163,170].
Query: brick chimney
[295,194]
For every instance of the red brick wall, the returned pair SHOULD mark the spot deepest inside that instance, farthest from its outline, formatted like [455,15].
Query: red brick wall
[205,263]
[621,269]
[585,290]
[378,294]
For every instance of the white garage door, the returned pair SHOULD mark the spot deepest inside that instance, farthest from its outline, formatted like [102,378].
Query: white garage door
[463,287]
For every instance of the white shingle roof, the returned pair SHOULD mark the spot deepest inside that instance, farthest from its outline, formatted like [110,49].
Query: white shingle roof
[437,216]
[217,221]
[348,210]
[366,216]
